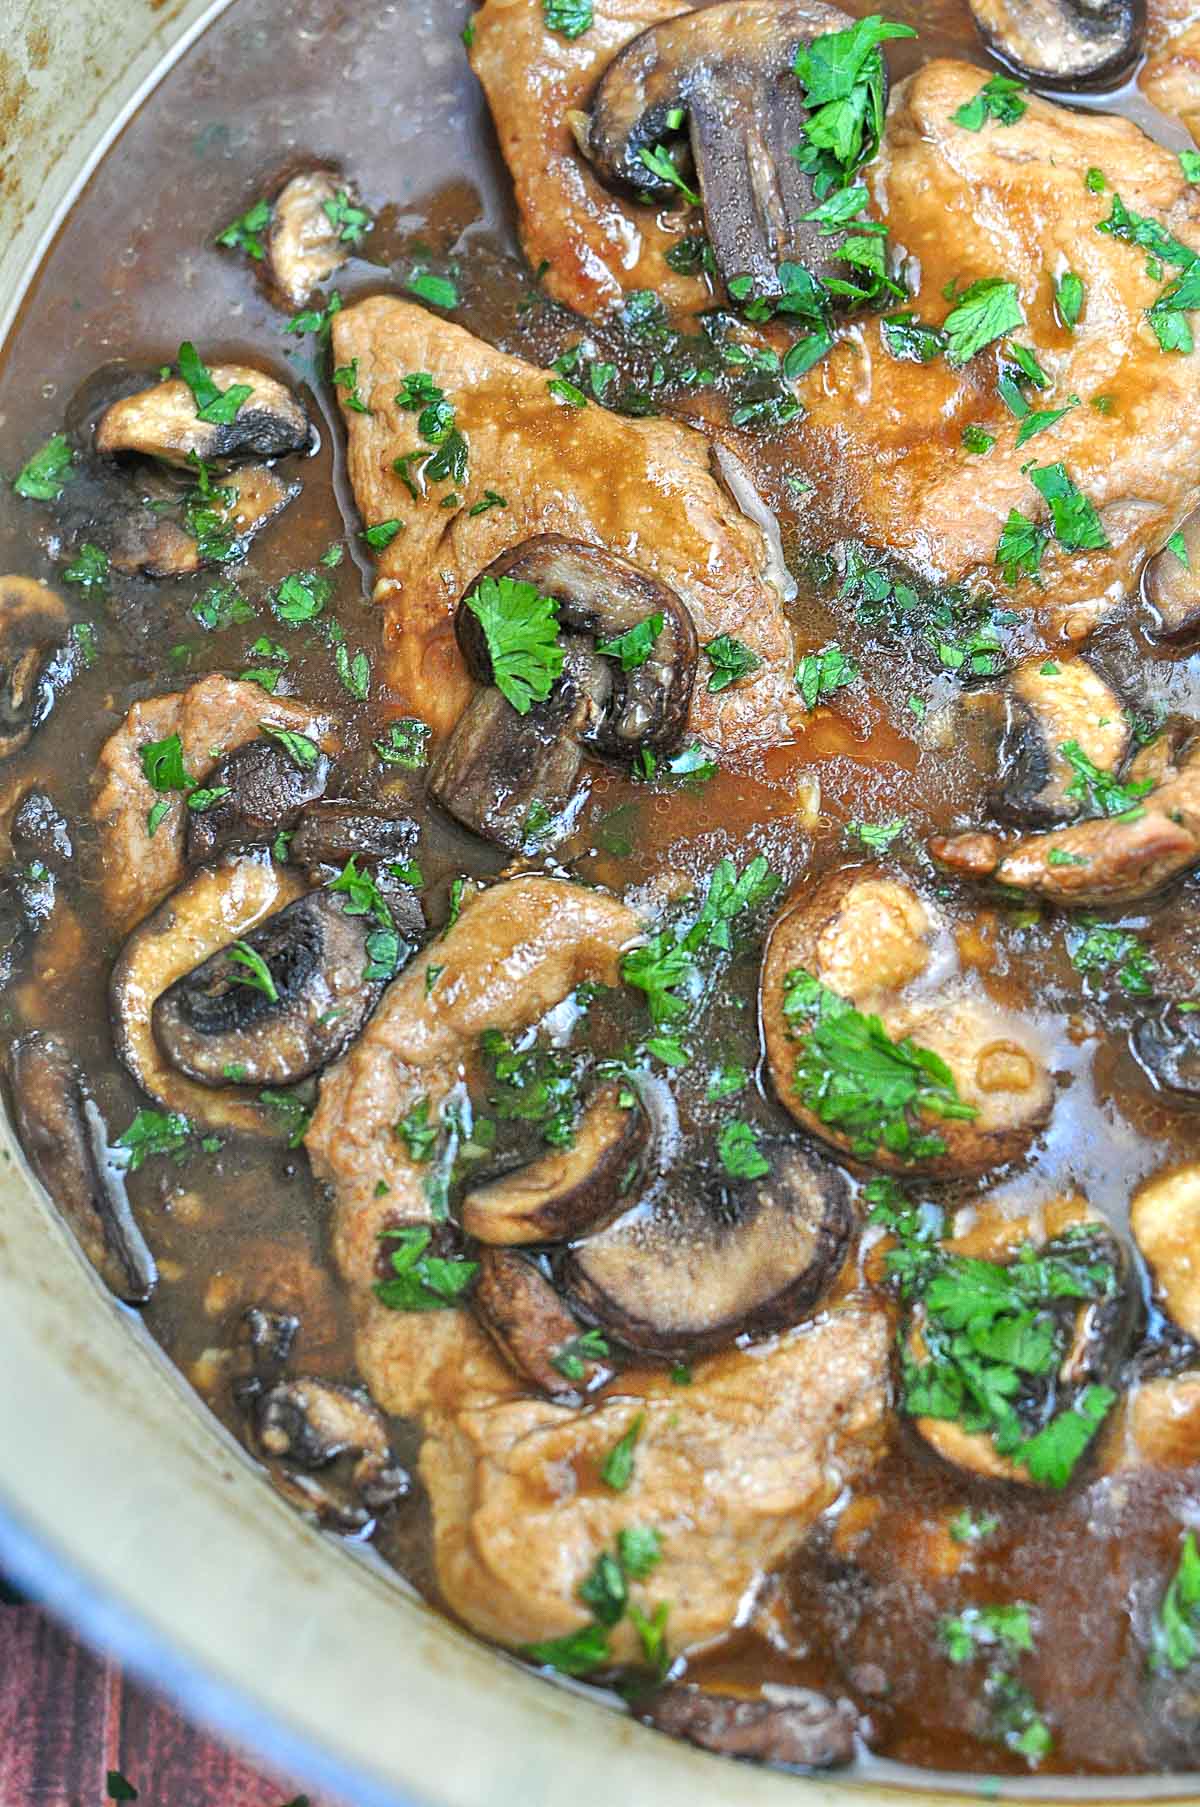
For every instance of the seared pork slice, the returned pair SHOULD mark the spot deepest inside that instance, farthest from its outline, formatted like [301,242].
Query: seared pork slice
[516,951]
[641,488]
[730,1471]
[211,718]
[1013,204]
[598,246]
[864,938]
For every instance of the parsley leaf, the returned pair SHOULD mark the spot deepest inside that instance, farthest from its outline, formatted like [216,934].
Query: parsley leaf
[245,233]
[438,291]
[988,310]
[616,1471]
[47,472]
[660,163]
[214,406]
[1041,418]
[521,630]
[1022,547]
[855,1078]
[1103,948]
[349,221]
[1099,790]
[820,675]
[1138,229]
[1175,1638]
[1068,299]
[152,1133]
[162,765]
[741,1156]
[569,18]
[572,1358]
[579,1653]
[301,596]
[1001,99]
[1076,523]
[258,974]
[909,340]
[842,75]
[634,647]
[407,744]
[89,569]
[318,321]
[730,660]
[420,1281]
[1006,1627]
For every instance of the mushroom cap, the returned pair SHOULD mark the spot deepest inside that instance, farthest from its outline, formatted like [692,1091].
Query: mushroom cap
[162,421]
[267,791]
[530,1325]
[709,1262]
[34,625]
[1071,43]
[213,1026]
[731,68]
[795,1726]
[1051,702]
[304,247]
[1166,1046]
[601,596]
[1171,590]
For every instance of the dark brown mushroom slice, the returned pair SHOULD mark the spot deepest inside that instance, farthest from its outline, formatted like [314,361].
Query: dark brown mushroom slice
[338,829]
[510,777]
[601,596]
[34,630]
[796,1727]
[1052,703]
[1166,1046]
[266,790]
[304,246]
[566,1192]
[218,1027]
[730,68]
[329,1450]
[162,421]
[1171,590]
[1070,43]
[716,1259]
[532,1328]
[40,831]
[64,1137]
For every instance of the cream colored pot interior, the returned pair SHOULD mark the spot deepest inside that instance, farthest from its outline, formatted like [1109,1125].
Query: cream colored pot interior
[119,1497]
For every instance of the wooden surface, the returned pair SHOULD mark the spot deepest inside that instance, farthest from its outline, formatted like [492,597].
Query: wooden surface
[68,1719]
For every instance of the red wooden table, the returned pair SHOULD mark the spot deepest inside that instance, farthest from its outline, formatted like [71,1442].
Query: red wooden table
[69,1722]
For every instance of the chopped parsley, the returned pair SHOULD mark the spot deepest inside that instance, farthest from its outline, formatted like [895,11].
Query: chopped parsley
[350,222]
[988,310]
[418,1134]
[572,1358]
[89,568]
[568,393]
[842,77]
[569,18]
[382,534]
[1149,235]
[856,1079]
[318,321]
[154,1133]
[878,836]
[1068,299]
[1039,419]
[1103,948]
[257,974]
[820,675]
[521,630]
[660,163]
[666,968]
[726,1082]
[438,291]
[978,442]
[965,1527]
[1002,99]
[293,1114]
[489,499]
[162,765]
[214,406]
[731,660]
[1100,792]
[963,1634]
[616,1471]
[302,751]
[47,472]
[246,232]
[1022,547]
[353,671]
[407,744]
[362,894]
[741,1156]
[634,647]
[420,1281]
[1175,1637]
[345,378]
[908,339]
[1076,524]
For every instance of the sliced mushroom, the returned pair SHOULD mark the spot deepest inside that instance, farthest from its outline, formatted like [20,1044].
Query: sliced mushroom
[568,1191]
[1071,43]
[64,1136]
[266,791]
[730,68]
[498,764]
[1165,1220]
[532,1328]
[253,495]
[40,830]
[334,831]
[329,1451]
[1171,590]
[163,421]
[215,1026]
[219,904]
[34,625]
[717,1259]
[1050,704]
[304,247]
[1167,1048]
[793,1726]
[875,942]
[1106,860]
